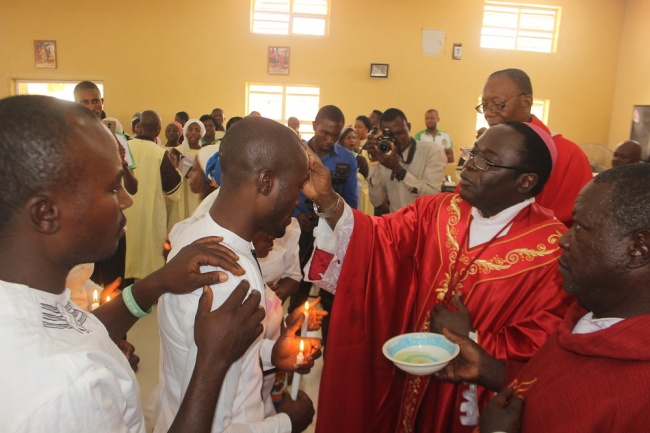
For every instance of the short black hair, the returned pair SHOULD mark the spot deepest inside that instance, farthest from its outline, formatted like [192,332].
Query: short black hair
[35,158]
[183,115]
[257,143]
[519,77]
[536,157]
[85,85]
[392,114]
[209,117]
[330,112]
[629,199]
[377,112]
[366,121]
[232,121]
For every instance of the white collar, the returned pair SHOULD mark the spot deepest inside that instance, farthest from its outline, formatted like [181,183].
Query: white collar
[587,324]
[502,217]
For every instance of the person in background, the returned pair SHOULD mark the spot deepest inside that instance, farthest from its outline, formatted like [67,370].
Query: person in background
[294,124]
[375,117]
[159,182]
[232,121]
[407,168]
[432,133]
[220,118]
[182,117]
[350,141]
[508,95]
[626,152]
[210,125]
[362,127]
[342,164]
[196,176]
[87,93]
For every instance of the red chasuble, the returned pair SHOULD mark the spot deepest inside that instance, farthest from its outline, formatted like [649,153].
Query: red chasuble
[396,269]
[570,173]
[589,383]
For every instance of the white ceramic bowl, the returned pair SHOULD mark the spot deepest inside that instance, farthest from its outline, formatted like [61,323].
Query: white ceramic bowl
[420,353]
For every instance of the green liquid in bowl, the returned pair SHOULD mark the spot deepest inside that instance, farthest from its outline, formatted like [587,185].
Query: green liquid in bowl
[415,357]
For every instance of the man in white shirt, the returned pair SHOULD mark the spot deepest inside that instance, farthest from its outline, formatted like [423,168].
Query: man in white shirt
[408,168]
[263,165]
[62,205]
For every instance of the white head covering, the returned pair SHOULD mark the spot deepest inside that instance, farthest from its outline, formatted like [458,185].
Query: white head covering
[118,125]
[205,153]
[187,125]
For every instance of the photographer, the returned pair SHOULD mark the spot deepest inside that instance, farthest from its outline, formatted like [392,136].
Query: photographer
[342,165]
[407,168]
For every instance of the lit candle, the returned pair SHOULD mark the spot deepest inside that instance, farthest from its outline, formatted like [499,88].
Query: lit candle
[95,304]
[108,298]
[296,376]
[305,324]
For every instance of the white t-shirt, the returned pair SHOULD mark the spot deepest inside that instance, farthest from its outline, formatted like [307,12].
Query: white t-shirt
[59,370]
[240,407]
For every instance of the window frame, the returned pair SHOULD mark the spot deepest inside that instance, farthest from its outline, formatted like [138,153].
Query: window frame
[288,90]
[521,32]
[291,17]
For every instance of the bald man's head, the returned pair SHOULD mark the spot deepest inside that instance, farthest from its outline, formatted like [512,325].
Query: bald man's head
[255,144]
[150,123]
[626,152]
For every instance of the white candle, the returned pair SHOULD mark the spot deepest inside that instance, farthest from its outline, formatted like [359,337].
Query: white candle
[305,324]
[95,304]
[296,376]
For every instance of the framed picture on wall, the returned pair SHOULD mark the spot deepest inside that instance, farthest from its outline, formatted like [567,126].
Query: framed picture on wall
[379,70]
[45,54]
[278,60]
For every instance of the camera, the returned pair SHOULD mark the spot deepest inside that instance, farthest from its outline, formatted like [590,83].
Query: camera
[341,173]
[384,143]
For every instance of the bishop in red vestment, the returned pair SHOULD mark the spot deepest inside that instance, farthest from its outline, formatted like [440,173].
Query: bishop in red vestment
[397,268]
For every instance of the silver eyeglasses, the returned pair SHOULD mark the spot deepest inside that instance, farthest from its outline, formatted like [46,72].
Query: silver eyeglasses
[495,108]
[482,163]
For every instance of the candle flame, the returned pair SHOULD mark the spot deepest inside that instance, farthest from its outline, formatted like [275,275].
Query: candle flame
[306,306]
[108,298]
[95,296]
[302,345]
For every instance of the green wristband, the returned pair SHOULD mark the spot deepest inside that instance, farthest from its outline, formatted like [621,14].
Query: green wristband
[133,306]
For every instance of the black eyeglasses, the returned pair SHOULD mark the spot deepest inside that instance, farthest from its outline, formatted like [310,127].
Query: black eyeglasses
[482,163]
[495,108]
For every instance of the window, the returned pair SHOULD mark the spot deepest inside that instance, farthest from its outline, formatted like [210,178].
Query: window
[281,102]
[539,109]
[290,17]
[512,26]
[57,89]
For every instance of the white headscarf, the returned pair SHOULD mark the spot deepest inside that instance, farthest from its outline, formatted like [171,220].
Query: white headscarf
[187,125]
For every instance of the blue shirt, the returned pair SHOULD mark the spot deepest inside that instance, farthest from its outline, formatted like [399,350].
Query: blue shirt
[339,161]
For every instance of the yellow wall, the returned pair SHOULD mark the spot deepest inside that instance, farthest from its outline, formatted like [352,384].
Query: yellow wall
[197,55]
[632,82]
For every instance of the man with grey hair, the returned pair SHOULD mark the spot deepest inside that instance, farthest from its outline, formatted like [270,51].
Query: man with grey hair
[508,95]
